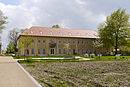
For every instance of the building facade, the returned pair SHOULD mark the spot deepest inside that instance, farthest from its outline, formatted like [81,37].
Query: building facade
[52,41]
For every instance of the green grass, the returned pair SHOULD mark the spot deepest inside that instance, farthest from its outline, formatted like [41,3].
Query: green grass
[28,61]
[55,56]
[102,58]
[111,58]
[48,60]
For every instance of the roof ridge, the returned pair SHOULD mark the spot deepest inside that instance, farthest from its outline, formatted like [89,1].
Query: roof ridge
[60,32]
[64,28]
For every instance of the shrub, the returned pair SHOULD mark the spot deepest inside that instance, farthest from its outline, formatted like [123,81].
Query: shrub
[86,55]
[92,55]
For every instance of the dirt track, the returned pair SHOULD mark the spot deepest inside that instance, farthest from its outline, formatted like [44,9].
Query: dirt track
[81,74]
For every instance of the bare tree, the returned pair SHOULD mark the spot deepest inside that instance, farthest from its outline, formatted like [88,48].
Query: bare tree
[13,35]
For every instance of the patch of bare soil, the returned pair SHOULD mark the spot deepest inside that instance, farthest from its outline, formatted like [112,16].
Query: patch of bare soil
[81,74]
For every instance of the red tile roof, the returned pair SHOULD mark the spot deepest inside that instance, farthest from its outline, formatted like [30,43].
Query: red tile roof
[60,32]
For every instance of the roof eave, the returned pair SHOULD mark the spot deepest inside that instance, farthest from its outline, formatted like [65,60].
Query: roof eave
[59,36]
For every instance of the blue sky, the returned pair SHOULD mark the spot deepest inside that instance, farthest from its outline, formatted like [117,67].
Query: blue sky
[75,14]
[12,2]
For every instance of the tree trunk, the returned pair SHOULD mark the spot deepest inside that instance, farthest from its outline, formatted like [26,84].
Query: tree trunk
[116,45]
[24,53]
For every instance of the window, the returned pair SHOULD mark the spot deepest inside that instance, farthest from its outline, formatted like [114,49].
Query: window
[64,41]
[70,34]
[69,50]
[39,51]
[87,34]
[41,32]
[78,42]
[74,51]
[39,41]
[32,41]
[44,41]
[82,42]
[87,42]
[32,51]
[52,51]
[50,33]
[31,32]
[73,42]
[59,41]
[60,33]
[59,51]
[69,41]
[64,51]
[44,51]
[78,34]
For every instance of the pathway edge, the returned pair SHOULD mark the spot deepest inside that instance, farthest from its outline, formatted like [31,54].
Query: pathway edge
[38,85]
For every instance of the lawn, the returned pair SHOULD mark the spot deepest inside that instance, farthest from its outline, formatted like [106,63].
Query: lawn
[103,58]
[111,58]
[54,56]
[72,73]
[48,60]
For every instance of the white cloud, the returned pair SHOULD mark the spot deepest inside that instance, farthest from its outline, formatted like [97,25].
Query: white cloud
[80,14]
[81,2]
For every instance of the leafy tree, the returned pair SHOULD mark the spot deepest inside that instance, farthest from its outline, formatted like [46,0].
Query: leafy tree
[56,26]
[67,47]
[98,45]
[10,48]
[103,34]
[114,29]
[2,21]
[24,43]
[125,45]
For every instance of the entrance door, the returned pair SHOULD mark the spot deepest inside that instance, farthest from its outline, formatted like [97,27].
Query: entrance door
[74,51]
[52,51]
